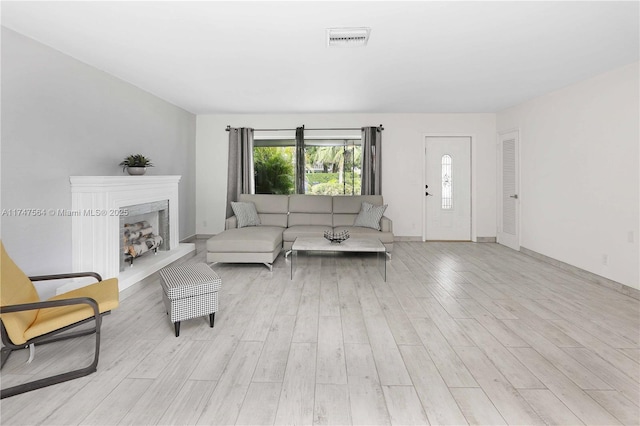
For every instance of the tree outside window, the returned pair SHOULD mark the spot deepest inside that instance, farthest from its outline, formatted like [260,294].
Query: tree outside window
[332,166]
[274,169]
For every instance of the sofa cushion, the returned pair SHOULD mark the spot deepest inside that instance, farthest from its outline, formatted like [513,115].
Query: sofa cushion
[351,204]
[300,203]
[267,203]
[245,213]
[310,210]
[302,219]
[272,209]
[293,232]
[255,239]
[370,216]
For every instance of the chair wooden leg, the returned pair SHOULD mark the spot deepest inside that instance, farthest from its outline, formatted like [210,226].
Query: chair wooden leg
[177,327]
[211,319]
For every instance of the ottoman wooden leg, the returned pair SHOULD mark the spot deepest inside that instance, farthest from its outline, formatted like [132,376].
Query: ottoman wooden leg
[177,326]
[211,318]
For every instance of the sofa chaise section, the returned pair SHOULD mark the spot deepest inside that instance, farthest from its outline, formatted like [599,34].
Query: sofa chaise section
[252,244]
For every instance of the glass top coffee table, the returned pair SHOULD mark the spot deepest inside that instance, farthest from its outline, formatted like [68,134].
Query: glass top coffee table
[352,245]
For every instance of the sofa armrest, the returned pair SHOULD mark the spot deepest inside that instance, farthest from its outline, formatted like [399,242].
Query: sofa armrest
[231,223]
[386,225]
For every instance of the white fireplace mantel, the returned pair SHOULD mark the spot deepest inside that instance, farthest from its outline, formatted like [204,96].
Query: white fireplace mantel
[82,184]
[97,204]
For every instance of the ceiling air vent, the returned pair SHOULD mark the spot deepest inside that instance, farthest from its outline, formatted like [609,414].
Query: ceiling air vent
[347,37]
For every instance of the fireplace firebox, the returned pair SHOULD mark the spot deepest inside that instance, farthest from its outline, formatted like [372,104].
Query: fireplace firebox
[144,229]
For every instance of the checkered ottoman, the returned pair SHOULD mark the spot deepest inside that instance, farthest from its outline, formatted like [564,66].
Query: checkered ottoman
[190,291]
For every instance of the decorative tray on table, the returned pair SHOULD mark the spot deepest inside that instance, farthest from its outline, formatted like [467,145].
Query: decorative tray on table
[336,238]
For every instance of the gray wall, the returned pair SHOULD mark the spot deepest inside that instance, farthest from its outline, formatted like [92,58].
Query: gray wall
[61,117]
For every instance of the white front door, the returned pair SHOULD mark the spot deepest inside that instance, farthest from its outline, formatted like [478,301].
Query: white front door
[508,202]
[448,188]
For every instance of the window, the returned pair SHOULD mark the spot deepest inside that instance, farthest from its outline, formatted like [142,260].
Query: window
[332,166]
[447,183]
[274,166]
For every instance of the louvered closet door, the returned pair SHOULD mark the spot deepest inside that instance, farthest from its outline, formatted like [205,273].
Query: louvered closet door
[508,210]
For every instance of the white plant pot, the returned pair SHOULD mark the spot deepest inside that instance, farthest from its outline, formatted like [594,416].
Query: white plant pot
[136,171]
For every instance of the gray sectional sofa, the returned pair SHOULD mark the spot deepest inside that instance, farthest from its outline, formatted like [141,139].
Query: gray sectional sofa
[283,218]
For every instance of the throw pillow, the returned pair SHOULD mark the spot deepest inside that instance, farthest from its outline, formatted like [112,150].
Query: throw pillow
[370,215]
[246,214]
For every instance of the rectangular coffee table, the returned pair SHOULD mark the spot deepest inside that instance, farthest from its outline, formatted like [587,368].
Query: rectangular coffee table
[353,245]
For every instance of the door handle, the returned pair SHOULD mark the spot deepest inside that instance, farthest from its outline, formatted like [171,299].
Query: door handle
[514,196]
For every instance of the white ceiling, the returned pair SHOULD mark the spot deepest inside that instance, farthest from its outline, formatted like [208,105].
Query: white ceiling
[271,57]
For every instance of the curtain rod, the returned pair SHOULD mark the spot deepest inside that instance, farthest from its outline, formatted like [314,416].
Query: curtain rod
[380,128]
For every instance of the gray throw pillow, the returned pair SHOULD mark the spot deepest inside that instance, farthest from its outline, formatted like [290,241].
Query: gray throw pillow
[246,214]
[370,215]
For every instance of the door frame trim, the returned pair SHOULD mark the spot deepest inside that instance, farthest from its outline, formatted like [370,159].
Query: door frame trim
[472,218]
[499,135]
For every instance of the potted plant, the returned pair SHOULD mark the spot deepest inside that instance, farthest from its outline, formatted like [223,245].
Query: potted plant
[136,164]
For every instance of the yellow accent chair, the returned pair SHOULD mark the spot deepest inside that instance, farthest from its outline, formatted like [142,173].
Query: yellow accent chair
[25,321]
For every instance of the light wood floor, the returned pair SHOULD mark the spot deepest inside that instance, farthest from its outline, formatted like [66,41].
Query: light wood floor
[460,333]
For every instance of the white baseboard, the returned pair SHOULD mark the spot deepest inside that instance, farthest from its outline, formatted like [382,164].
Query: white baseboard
[485,239]
[204,236]
[590,276]
[189,239]
[407,238]
[419,239]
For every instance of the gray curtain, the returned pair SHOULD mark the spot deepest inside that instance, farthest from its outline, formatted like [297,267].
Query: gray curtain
[371,161]
[300,170]
[241,177]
